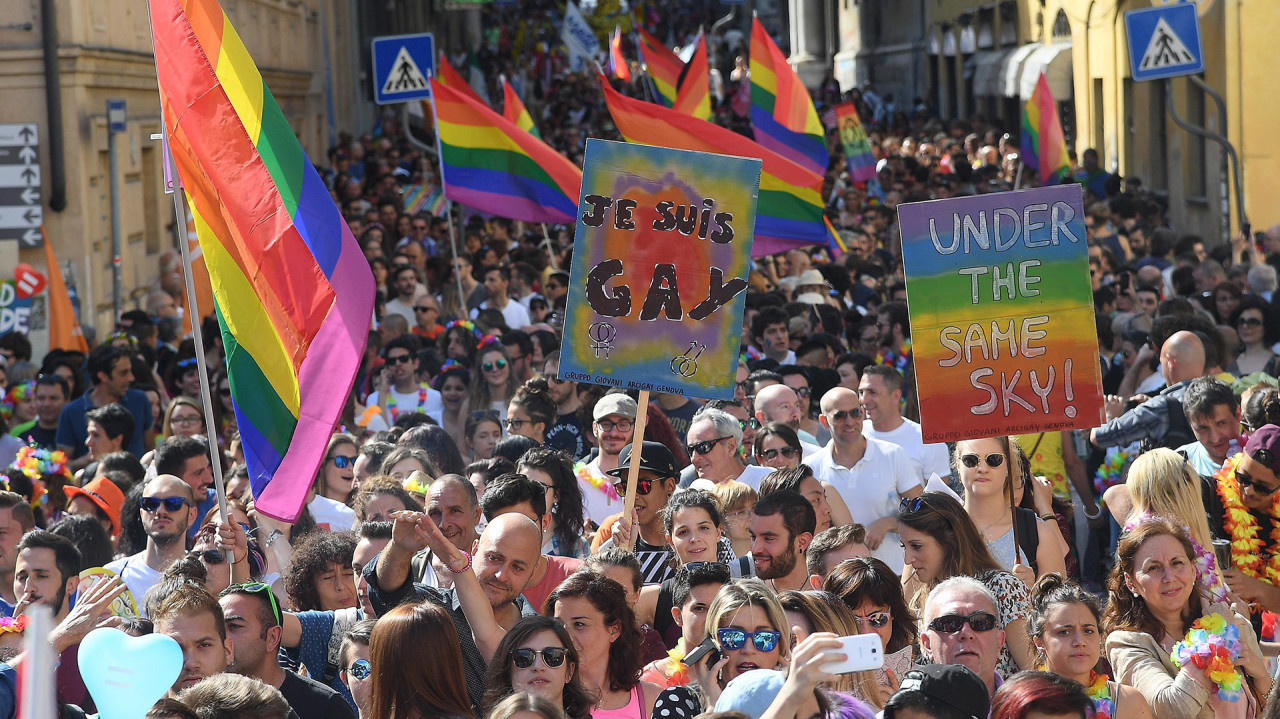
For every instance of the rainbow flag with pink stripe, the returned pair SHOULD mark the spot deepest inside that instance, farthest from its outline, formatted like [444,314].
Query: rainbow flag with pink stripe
[292,291]
[782,114]
[1044,146]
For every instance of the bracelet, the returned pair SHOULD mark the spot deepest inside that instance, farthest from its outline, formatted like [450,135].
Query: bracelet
[465,566]
[1095,515]
[1049,517]
[272,537]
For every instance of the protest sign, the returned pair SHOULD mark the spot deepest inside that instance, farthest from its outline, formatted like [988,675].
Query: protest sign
[857,148]
[660,261]
[1002,323]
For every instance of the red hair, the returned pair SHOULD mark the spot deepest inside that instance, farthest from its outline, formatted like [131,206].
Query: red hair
[1044,692]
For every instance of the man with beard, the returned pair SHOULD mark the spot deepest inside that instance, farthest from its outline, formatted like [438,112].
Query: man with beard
[782,526]
[16,519]
[192,617]
[48,572]
[167,507]
[505,558]
[566,434]
[253,620]
[615,416]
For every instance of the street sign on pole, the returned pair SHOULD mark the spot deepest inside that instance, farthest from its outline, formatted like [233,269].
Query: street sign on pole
[21,207]
[1164,42]
[401,66]
[117,116]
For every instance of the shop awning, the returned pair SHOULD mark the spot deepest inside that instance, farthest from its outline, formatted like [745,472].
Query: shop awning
[986,72]
[1055,62]
[1009,71]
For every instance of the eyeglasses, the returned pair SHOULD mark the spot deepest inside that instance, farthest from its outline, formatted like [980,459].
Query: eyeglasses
[184,421]
[622,426]
[995,459]
[738,515]
[360,669]
[551,656]
[171,504]
[746,424]
[209,556]
[425,309]
[491,366]
[514,424]
[256,588]
[643,487]
[400,359]
[841,415]
[764,641]
[1249,322]
[876,620]
[952,623]
[342,461]
[772,454]
[705,447]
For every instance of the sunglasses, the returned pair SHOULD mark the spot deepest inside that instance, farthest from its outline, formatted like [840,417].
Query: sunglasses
[400,359]
[705,447]
[425,309]
[643,487]
[360,669]
[491,366]
[772,454]
[1249,322]
[764,641]
[256,588]
[552,657]
[842,415]
[187,363]
[1246,481]
[802,391]
[746,424]
[995,459]
[209,556]
[171,504]
[342,462]
[225,391]
[877,620]
[952,623]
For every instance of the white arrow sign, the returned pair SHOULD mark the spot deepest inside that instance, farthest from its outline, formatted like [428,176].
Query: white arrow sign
[27,154]
[32,237]
[30,195]
[19,175]
[11,217]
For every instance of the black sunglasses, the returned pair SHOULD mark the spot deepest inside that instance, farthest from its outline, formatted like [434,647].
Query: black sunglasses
[704,447]
[995,459]
[400,359]
[551,656]
[171,504]
[772,454]
[952,623]
[842,415]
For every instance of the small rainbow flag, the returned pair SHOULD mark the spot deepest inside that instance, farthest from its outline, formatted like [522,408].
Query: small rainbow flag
[488,163]
[514,110]
[857,148]
[789,211]
[782,114]
[662,65]
[292,292]
[694,95]
[617,61]
[1044,147]
[435,203]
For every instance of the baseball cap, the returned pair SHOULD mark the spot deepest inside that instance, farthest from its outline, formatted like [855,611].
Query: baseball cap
[951,685]
[751,692]
[1264,446]
[615,403]
[103,493]
[654,457]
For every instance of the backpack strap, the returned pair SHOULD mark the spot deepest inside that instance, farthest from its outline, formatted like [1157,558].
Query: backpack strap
[1028,536]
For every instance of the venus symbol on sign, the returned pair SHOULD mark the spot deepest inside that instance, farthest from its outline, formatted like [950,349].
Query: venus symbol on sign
[602,335]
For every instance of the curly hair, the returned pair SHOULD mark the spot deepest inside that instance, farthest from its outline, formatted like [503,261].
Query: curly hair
[1126,610]
[578,699]
[610,599]
[310,558]
[380,485]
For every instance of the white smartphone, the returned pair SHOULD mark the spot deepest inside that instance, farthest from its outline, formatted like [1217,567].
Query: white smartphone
[862,653]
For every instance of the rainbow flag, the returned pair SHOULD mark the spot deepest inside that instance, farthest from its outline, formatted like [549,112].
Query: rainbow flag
[857,148]
[663,66]
[451,77]
[1044,147]
[488,163]
[292,291]
[617,61]
[514,110]
[834,243]
[782,114]
[694,95]
[789,211]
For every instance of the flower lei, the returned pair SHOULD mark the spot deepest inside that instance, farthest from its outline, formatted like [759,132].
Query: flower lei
[17,393]
[898,360]
[15,625]
[1111,472]
[1099,690]
[1213,644]
[600,483]
[680,676]
[1246,546]
[467,325]
[1206,562]
[391,401]
[36,462]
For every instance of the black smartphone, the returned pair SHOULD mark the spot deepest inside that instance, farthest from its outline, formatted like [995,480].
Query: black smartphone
[706,648]
[1124,281]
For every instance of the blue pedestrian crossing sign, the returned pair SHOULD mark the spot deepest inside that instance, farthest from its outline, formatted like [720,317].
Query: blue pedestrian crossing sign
[401,66]
[1164,42]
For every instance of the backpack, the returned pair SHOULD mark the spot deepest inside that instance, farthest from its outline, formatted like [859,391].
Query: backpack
[1028,536]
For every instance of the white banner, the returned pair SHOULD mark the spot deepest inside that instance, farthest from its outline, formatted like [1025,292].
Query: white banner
[578,37]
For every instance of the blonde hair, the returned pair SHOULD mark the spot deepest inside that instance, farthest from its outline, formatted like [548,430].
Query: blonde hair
[733,493]
[749,592]
[1162,483]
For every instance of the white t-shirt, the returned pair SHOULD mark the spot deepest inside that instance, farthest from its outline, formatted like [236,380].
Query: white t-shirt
[137,576]
[432,406]
[753,474]
[872,488]
[598,503]
[930,458]
[396,307]
[515,314]
[332,515]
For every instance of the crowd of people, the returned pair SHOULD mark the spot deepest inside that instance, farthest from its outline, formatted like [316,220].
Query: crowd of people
[463,552]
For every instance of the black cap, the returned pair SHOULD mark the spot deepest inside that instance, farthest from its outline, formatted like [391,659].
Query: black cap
[653,457]
[951,685]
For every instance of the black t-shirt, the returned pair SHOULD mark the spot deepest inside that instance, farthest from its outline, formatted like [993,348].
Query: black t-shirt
[43,438]
[681,417]
[566,435]
[312,700]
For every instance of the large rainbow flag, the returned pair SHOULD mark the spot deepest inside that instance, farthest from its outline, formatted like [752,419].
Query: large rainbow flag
[694,95]
[789,212]
[515,111]
[782,113]
[488,163]
[293,294]
[663,66]
[1044,146]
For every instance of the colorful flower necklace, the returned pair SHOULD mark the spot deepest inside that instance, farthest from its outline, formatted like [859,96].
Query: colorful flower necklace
[1111,472]
[1099,690]
[1242,526]
[391,401]
[600,483]
[1206,562]
[680,676]
[1213,644]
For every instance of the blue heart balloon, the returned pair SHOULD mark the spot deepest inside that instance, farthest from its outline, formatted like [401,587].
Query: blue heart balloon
[127,675]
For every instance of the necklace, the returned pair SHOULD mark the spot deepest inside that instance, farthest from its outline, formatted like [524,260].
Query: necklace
[391,401]
[1099,690]
[1246,546]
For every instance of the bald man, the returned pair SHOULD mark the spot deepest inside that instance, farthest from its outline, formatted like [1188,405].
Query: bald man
[780,403]
[168,508]
[1160,421]
[495,575]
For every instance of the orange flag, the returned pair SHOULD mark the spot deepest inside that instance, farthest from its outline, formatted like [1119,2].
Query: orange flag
[64,328]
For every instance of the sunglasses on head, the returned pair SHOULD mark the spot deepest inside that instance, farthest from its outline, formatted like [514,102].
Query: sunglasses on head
[257,588]
[551,656]
[171,504]
[764,640]
[705,447]
[995,459]
[342,462]
[841,415]
[360,669]
[952,623]
[491,366]
[643,487]
[191,362]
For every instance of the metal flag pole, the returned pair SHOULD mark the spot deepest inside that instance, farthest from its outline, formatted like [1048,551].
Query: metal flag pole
[453,236]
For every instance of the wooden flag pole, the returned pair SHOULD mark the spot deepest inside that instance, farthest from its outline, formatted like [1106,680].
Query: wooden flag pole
[633,469]
[551,252]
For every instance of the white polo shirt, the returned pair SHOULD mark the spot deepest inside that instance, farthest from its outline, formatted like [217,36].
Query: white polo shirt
[931,458]
[872,488]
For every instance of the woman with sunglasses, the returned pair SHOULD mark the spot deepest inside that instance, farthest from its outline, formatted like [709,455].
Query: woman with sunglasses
[777,445]
[871,590]
[353,664]
[481,435]
[493,384]
[183,418]
[1154,600]
[452,384]
[537,656]
[336,478]
[988,471]
[940,541]
[1255,326]
[1066,626]
[750,630]
[421,636]
[531,411]
[818,612]
[604,631]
